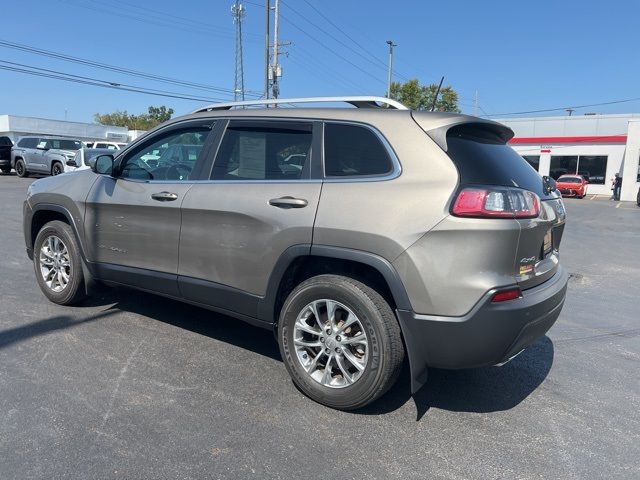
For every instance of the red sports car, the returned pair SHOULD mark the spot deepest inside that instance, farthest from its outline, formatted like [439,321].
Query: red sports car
[572,186]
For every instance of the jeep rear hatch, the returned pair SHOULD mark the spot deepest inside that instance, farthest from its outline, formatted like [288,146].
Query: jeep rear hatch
[496,182]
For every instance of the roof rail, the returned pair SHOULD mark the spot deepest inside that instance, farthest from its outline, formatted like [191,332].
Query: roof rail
[359,102]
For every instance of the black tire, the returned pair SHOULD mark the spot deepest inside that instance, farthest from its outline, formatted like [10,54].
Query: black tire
[6,170]
[386,351]
[57,169]
[74,290]
[21,169]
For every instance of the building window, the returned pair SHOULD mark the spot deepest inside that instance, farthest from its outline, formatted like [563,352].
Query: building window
[592,167]
[533,160]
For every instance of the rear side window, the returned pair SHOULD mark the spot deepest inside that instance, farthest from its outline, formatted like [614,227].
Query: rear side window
[263,151]
[28,143]
[482,158]
[5,142]
[352,150]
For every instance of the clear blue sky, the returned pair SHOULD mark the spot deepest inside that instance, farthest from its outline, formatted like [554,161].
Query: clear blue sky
[518,55]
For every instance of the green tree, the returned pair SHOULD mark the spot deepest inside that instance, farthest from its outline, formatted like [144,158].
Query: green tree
[420,97]
[144,121]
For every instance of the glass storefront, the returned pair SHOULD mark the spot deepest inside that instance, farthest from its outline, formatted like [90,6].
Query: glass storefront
[591,167]
[533,160]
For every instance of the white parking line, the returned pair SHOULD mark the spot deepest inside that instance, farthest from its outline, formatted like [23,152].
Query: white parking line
[618,205]
[593,196]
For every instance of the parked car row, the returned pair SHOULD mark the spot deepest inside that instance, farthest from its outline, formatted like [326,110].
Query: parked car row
[49,156]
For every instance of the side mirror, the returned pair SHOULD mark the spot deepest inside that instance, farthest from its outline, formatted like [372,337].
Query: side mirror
[72,162]
[42,147]
[102,164]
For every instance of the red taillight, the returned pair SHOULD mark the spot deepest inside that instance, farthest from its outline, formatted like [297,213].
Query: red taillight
[496,202]
[505,295]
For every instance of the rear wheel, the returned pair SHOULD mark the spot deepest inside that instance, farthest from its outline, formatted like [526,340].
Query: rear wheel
[57,169]
[57,263]
[6,170]
[20,168]
[340,341]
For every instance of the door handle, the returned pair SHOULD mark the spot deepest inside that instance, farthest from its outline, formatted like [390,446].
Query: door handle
[164,196]
[288,202]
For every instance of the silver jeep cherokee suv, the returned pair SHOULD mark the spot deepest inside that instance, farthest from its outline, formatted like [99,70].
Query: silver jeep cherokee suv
[360,235]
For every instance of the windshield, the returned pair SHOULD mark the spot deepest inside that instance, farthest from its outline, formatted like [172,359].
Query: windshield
[569,180]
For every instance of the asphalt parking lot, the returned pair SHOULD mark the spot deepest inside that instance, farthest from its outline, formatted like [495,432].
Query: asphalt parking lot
[131,385]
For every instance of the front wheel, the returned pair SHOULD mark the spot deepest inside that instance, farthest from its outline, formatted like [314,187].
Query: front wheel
[21,169]
[57,169]
[57,263]
[340,341]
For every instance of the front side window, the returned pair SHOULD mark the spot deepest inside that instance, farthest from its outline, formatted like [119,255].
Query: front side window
[263,151]
[170,156]
[352,150]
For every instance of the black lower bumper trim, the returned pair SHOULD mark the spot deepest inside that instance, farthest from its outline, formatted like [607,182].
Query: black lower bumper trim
[490,334]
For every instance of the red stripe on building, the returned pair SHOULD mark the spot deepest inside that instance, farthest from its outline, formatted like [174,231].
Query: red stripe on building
[587,139]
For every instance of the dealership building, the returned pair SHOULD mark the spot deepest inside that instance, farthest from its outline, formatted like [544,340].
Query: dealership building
[14,127]
[596,146]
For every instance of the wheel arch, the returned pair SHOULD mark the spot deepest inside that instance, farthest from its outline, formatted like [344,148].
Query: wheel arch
[303,261]
[46,212]
[300,262]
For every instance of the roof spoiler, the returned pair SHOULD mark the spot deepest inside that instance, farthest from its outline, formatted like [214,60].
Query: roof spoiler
[440,128]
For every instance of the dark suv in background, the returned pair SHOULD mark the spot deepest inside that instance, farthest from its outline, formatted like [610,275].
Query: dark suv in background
[43,155]
[5,154]
[360,236]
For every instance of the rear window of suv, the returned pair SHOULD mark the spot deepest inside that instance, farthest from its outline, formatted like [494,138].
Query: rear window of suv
[28,143]
[353,150]
[483,158]
[569,180]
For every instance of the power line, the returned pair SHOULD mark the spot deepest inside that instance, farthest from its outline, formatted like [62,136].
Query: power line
[58,75]
[170,22]
[315,39]
[613,102]
[113,68]
[172,17]
[375,62]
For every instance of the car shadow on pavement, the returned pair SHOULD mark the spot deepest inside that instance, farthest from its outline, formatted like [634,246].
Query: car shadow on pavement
[480,390]
[46,325]
[195,319]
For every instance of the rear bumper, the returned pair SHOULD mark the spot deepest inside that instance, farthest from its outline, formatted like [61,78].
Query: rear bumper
[490,334]
[5,162]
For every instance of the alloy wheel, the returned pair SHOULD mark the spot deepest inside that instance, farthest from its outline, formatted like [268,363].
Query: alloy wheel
[55,263]
[331,343]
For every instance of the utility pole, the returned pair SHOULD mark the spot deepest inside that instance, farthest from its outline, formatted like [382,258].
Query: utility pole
[391,45]
[267,11]
[275,67]
[475,105]
[238,11]
[570,111]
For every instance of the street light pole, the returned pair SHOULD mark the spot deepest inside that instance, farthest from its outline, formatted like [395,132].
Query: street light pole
[391,45]
[266,49]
